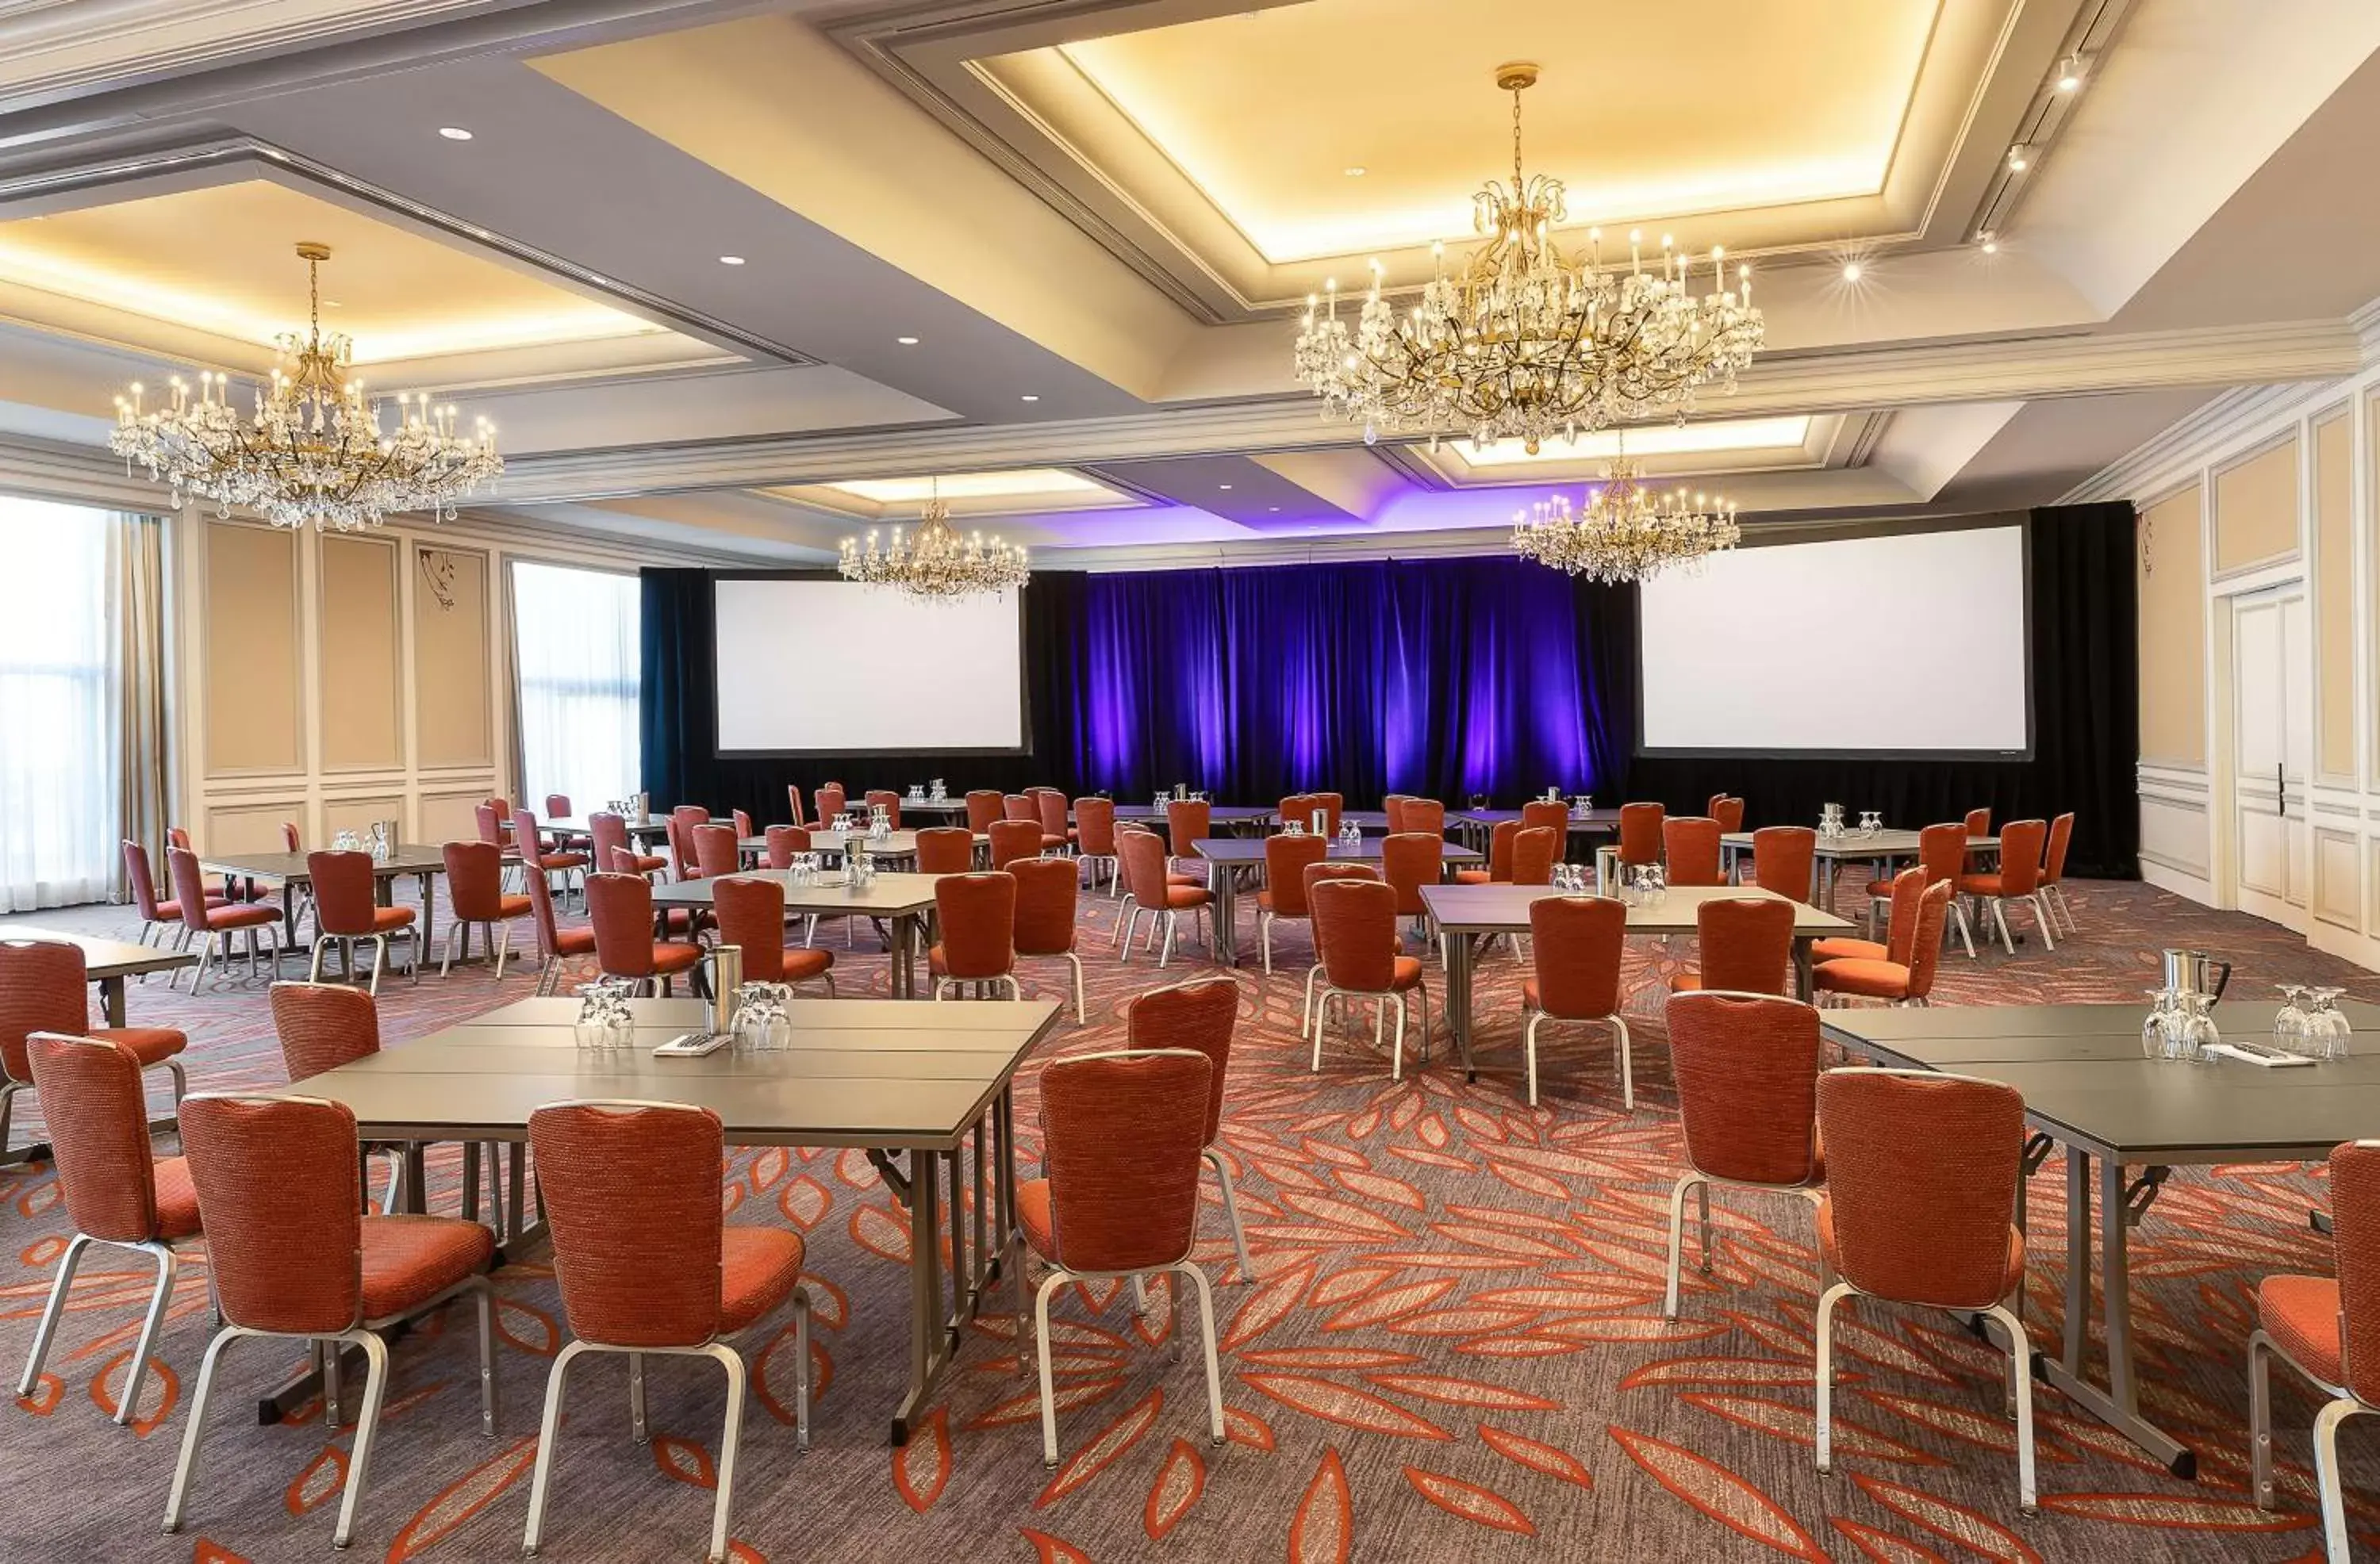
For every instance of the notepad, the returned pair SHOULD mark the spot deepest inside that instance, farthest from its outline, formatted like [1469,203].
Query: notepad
[2257,1053]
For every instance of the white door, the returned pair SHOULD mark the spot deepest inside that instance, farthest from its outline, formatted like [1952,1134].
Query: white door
[2272,728]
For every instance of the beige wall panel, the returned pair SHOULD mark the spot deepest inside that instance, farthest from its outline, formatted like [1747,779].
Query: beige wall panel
[2173,633]
[2338,889]
[251,649]
[250,828]
[2256,509]
[2174,834]
[451,816]
[361,652]
[358,814]
[453,667]
[2335,596]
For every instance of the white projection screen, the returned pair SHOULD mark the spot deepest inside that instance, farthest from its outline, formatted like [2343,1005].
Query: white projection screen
[1899,643]
[826,666]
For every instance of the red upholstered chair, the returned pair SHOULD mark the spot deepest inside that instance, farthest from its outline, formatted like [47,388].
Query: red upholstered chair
[1018,807]
[1011,840]
[324,1026]
[1640,834]
[889,798]
[1393,809]
[2052,892]
[1355,927]
[1746,1067]
[1942,854]
[538,858]
[346,914]
[614,854]
[1922,1172]
[1301,808]
[977,917]
[554,943]
[1548,813]
[1905,975]
[1200,1015]
[1422,814]
[1122,1135]
[2017,880]
[1979,822]
[1188,822]
[1283,895]
[645,1265]
[1901,926]
[793,803]
[1409,860]
[750,914]
[491,821]
[558,808]
[1536,850]
[1095,834]
[783,841]
[475,877]
[116,1191]
[2329,1331]
[1728,810]
[830,800]
[1051,801]
[1149,890]
[292,1256]
[682,821]
[1311,876]
[984,805]
[716,851]
[44,987]
[1744,946]
[1691,843]
[211,922]
[1782,859]
[621,908]
[156,917]
[1500,857]
[1574,946]
[946,850]
[1045,893]
[744,827]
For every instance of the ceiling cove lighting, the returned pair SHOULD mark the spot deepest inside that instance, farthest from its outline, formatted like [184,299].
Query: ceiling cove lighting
[731,260]
[1628,532]
[1528,342]
[935,562]
[314,450]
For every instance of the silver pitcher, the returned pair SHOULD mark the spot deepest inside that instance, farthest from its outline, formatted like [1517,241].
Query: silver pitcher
[726,972]
[2195,971]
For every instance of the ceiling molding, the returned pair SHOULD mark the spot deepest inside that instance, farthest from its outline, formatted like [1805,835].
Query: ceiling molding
[2231,422]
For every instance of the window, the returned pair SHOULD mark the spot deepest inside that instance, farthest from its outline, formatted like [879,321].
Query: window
[574,639]
[58,708]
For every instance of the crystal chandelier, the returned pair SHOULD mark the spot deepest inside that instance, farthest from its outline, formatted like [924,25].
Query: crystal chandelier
[935,562]
[314,449]
[1527,341]
[1628,532]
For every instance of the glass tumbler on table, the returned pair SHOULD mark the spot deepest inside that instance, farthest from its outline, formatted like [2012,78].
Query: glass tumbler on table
[2290,1033]
[2328,1032]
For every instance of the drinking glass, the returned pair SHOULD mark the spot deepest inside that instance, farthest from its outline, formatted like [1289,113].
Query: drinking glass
[1293,828]
[2328,1032]
[760,1022]
[603,1019]
[2157,1026]
[2290,1032]
[2198,1030]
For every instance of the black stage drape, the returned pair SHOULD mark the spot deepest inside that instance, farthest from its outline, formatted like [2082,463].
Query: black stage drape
[1450,678]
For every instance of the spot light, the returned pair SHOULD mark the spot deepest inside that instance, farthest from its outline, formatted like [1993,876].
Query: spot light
[906,340]
[1851,272]
[731,260]
[2017,159]
[454,133]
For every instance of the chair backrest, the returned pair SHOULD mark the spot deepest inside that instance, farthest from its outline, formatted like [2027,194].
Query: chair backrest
[1575,944]
[143,884]
[1018,807]
[558,806]
[947,849]
[829,798]
[1640,833]
[189,886]
[1013,839]
[98,1126]
[491,823]
[1536,850]
[1409,860]
[1500,849]
[983,806]
[1285,860]
[1979,822]
[342,890]
[540,909]
[1747,1073]
[786,840]
[528,842]
[1046,891]
[1094,827]
[281,1189]
[1546,814]
[1051,801]
[632,1197]
[888,798]
[1356,930]
[1122,1135]
[715,850]
[1393,808]
[620,906]
[475,877]
[1922,1172]
[2355,1241]
[1900,913]
[1141,854]
[176,836]
[41,990]
[977,913]
[1747,943]
[1942,850]
[324,1026]
[610,834]
[1300,806]
[2021,845]
[1782,859]
[1926,938]
[1691,842]
[289,840]
[1423,815]
[2062,835]
[502,805]
[1187,821]
[1728,810]
[682,823]
[1200,1015]
[793,803]
[743,824]
[750,913]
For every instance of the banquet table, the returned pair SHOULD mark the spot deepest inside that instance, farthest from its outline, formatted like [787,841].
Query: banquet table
[414,860]
[1479,824]
[902,899]
[1881,851]
[1232,857]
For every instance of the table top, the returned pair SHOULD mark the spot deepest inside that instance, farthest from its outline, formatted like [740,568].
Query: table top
[1504,909]
[1593,821]
[900,845]
[1221,813]
[889,895]
[870,1073]
[2084,1080]
[1251,850]
[106,958]
[934,805]
[409,857]
[650,826]
[1883,844]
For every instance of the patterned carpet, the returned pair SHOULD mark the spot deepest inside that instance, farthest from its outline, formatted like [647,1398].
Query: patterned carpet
[1456,1345]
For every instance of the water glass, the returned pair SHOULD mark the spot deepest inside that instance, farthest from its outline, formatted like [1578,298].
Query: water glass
[1293,828]
[2198,1030]
[2157,1039]
[2328,1032]
[2289,1030]
[760,1024]
[1871,822]
[603,1019]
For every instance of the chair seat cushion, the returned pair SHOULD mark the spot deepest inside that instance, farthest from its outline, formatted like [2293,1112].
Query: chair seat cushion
[757,1268]
[1686,983]
[511,906]
[177,1199]
[573,942]
[1873,979]
[171,912]
[675,958]
[1879,890]
[563,861]
[1181,896]
[801,962]
[1474,877]
[409,1260]
[1407,973]
[1979,885]
[241,915]
[1175,877]
[1034,1216]
[387,919]
[2300,1314]
[149,1044]
[647,862]
[1842,949]
[2012,1269]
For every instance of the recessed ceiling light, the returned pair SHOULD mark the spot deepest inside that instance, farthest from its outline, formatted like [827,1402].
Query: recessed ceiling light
[1991,245]
[2016,159]
[731,260]
[1226,486]
[1028,396]
[1852,271]
[1274,509]
[1354,171]
[906,340]
[454,133]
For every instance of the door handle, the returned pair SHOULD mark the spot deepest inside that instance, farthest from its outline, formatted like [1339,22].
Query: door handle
[2281,787]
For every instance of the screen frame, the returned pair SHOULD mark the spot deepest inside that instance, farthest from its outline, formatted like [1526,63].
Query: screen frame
[1786,537]
[1023,747]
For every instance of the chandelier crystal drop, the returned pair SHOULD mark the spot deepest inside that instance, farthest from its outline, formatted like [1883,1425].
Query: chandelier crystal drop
[1527,341]
[1628,532]
[934,561]
[314,450]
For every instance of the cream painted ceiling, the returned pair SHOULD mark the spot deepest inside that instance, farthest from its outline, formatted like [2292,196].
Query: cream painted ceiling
[1644,111]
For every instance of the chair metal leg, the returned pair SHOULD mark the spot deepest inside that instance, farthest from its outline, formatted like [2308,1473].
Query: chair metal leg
[59,1287]
[729,1439]
[2260,1418]
[1305,1013]
[1081,1015]
[1231,1212]
[636,1429]
[1688,1179]
[802,1369]
[1264,939]
[1049,1284]
[367,1425]
[1826,1301]
[2042,920]
[194,1430]
[1207,1337]
[2020,1373]
[1529,1052]
[556,1381]
[135,1372]
[1397,1053]
[1621,1044]
[379,943]
[446,949]
[1172,922]
[2327,1479]
[1321,1014]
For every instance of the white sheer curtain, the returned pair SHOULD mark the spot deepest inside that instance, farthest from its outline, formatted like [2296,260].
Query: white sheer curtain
[58,707]
[575,643]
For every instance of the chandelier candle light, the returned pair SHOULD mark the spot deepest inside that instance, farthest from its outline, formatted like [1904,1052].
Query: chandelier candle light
[314,449]
[1628,532]
[935,562]
[1527,341]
